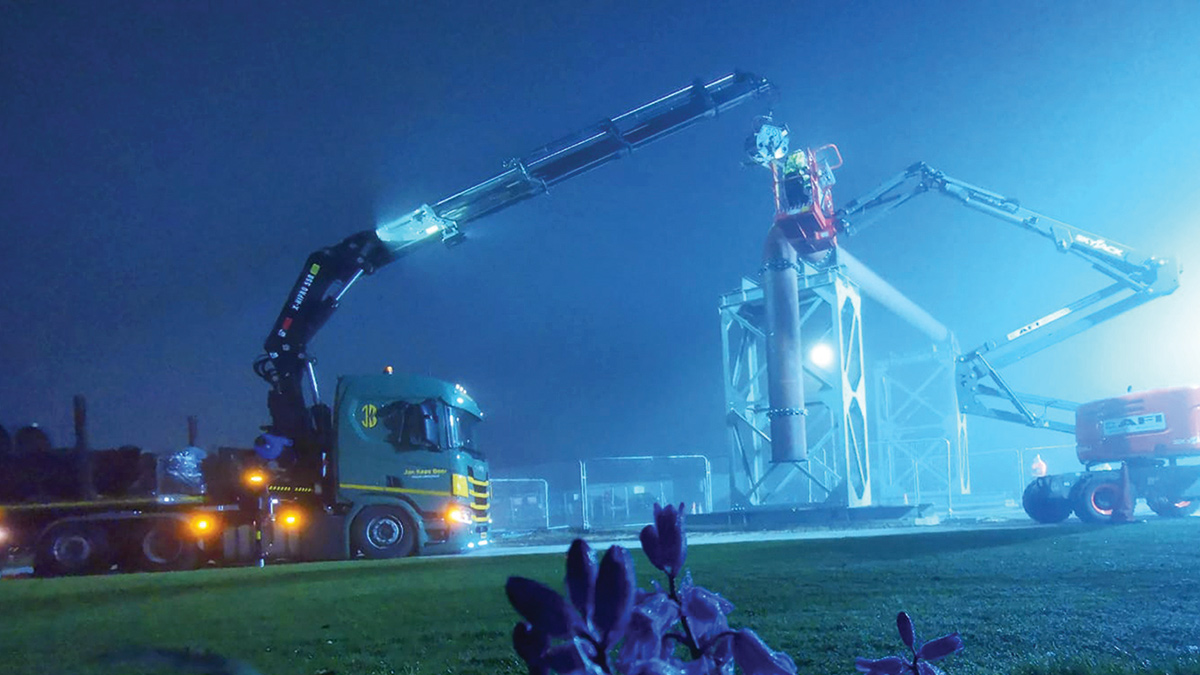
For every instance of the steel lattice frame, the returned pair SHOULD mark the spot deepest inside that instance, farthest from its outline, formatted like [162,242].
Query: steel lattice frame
[837,470]
[920,430]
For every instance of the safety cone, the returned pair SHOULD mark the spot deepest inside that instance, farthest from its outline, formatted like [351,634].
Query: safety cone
[1123,513]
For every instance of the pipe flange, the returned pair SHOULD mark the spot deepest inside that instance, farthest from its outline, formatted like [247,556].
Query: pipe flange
[778,264]
[772,413]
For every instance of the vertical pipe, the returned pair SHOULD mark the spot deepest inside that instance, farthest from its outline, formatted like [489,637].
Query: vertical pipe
[785,366]
[583,495]
[193,426]
[81,437]
[83,467]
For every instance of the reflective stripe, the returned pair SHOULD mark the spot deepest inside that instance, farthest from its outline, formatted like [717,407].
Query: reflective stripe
[380,488]
[473,493]
[287,488]
[477,482]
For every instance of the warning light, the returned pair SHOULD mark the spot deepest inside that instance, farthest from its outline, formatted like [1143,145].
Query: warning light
[255,478]
[289,519]
[203,525]
[387,370]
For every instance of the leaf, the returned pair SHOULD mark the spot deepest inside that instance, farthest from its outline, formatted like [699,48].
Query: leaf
[529,643]
[649,539]
[904,625]
[575,657]
[890,665]
[614,595]
[754,657]
[940,648]
[539,605]
[581,578]
[654,667]
[927,669]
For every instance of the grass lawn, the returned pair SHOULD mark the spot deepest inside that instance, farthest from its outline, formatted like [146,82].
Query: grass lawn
[1064,600]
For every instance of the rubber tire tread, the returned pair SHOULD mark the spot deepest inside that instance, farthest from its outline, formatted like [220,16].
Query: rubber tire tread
[44,563]
[406,546]
[187,559]
[1082,495]
[1042,506]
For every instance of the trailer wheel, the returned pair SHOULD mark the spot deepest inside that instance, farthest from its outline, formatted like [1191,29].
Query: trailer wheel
[1167,507]
[161,546]
[1042,505]
[1096,497]
[384,532]
[72,548]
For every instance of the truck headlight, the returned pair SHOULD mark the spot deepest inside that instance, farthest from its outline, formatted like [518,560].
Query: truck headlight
[459,514]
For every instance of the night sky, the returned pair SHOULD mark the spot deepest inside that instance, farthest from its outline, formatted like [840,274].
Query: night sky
[168,166]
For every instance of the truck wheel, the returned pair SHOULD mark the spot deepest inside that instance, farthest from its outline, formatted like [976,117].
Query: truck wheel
[161,546]
[384,532]
[72,548]
[1043,505]
[1167,507]
[1096,497]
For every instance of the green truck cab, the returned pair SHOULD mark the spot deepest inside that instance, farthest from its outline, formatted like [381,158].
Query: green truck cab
[408,473]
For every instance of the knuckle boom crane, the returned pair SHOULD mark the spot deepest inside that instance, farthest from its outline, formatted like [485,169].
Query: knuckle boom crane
[330,272]
[388,468]
[323,457]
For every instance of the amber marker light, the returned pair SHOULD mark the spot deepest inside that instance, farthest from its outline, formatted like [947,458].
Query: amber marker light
[202,524]
[255,478]
[290,519]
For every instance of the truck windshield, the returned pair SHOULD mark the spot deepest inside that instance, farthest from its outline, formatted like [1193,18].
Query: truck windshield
[461,425]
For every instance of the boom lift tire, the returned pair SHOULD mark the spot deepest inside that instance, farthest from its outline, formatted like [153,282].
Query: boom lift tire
[384,531]
[72,548]
[161,546]
[1096,495]
[1042,505]
[1167,507]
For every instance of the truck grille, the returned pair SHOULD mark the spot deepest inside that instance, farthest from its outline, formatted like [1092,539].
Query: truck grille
[480,491]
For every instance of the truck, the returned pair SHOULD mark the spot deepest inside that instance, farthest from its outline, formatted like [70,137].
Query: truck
[389,468]
[1152,437]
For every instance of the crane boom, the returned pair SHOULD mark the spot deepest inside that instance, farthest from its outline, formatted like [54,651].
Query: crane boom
[329,272]
[1136,279]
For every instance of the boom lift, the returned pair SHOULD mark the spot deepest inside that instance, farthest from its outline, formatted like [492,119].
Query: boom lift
[390,466]
[1135,279]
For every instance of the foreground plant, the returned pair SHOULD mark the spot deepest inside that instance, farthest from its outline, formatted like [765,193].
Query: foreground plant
[609,626]
[922,659]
